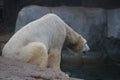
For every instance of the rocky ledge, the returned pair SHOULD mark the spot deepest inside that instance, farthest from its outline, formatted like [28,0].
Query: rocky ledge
[13,70]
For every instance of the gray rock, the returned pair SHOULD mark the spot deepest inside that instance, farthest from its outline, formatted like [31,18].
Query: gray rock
[114,23]
[28,14]
[89,22]
[113,41]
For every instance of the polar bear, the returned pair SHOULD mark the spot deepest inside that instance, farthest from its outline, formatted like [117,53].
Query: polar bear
[40,42]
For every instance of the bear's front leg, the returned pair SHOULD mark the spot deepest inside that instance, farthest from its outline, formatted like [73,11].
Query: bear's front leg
[54,59]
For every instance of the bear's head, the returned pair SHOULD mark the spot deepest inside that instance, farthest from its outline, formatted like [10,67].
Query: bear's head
[76,42]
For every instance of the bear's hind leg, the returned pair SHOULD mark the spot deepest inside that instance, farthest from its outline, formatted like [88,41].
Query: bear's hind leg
[54,59]
[35,53]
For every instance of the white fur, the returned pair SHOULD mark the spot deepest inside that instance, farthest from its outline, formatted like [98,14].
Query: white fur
[44,30]
[86,47]
[33,41]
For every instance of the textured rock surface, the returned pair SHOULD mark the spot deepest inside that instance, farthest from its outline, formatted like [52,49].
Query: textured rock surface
[89,22]
[13,70]
[29,14]
[113,37]
[114,23]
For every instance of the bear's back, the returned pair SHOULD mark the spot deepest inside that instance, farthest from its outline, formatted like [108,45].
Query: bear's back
[49,30]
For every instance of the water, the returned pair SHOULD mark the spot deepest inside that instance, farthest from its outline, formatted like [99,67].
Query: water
[94,72]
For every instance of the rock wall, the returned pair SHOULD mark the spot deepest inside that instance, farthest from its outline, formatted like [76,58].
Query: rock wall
[113,35]
[95,24]
[114,23]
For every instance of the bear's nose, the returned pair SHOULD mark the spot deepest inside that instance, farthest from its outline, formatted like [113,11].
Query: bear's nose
[86,48]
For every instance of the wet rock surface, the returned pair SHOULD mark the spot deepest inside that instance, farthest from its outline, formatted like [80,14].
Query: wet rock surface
[13,70]
[94,72]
